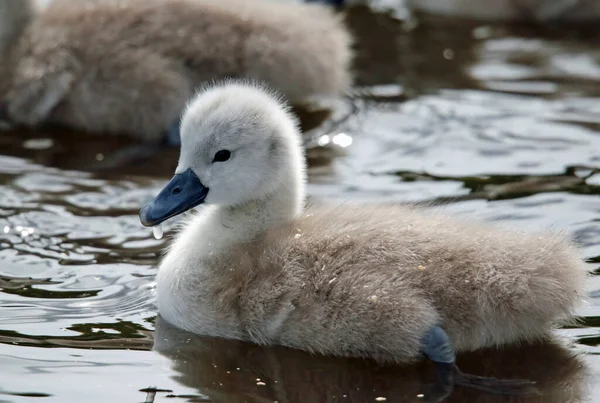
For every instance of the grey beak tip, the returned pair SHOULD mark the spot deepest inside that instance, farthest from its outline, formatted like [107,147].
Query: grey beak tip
[144,219]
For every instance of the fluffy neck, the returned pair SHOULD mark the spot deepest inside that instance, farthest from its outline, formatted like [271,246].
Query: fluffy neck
[283,203]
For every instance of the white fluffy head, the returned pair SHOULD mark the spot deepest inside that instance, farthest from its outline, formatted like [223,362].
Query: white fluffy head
[251,125]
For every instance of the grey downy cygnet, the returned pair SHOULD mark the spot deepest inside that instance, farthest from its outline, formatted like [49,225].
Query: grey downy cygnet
[129,66]
[389,282]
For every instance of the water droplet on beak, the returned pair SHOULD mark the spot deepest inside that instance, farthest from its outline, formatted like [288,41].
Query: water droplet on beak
[157,231]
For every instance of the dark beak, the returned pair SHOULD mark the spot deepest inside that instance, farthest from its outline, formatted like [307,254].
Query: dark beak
[182,193]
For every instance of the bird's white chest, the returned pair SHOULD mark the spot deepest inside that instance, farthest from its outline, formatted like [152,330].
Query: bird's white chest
[186,301]
[189,292]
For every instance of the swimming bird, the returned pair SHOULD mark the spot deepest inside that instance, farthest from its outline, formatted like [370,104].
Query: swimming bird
[128,66]
[388,282]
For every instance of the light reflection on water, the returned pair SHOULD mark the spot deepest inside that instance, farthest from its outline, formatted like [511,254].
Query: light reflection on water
[495,122]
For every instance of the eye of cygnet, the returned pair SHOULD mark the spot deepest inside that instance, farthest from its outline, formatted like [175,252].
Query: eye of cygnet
[222,156]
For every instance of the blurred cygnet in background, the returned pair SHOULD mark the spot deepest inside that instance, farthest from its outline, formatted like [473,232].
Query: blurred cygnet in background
[129,66]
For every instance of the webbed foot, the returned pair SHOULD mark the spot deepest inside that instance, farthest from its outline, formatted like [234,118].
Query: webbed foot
[437,347]
[520,387]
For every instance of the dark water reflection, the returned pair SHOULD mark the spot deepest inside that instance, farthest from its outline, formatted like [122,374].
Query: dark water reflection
[227,371]
[498,122]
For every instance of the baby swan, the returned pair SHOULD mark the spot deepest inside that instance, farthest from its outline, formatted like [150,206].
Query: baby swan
[386,282]
[128,66]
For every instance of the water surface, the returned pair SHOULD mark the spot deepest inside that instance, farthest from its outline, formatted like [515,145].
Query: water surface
[497,122]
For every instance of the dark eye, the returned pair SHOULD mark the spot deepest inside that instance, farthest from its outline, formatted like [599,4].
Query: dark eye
[222,155]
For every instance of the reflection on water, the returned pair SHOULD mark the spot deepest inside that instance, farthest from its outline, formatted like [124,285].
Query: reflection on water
[498,122]
[232,371]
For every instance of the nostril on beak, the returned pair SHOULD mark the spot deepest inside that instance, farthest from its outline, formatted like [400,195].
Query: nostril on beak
[176,190]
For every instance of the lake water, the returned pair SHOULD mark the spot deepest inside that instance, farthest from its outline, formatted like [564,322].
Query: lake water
[497,122]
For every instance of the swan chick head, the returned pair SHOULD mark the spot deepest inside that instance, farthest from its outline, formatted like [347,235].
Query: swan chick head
[239,143]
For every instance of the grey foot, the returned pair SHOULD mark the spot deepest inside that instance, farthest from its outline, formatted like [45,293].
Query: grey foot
[436,346]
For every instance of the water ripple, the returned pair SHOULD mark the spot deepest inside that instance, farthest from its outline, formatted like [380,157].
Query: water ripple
[500,123]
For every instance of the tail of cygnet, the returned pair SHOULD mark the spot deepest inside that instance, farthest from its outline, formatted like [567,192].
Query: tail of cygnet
[549,292]
[14,17]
